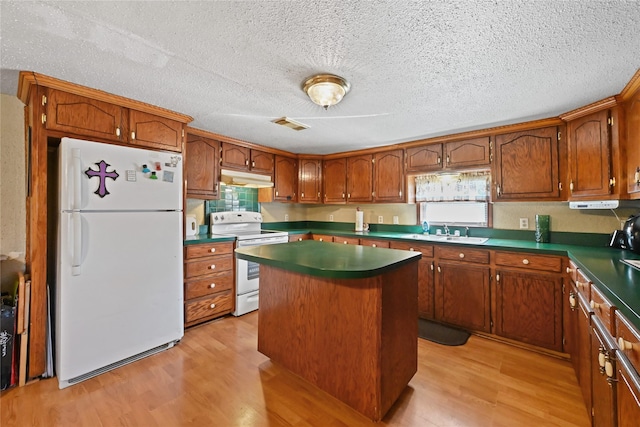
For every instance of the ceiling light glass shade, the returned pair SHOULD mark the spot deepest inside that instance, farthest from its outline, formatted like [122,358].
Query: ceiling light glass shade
[326,89]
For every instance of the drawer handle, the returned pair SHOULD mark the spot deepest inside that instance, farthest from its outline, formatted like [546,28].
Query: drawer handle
[212,250]
[580,285]
[213,285]
[461,255]
[608,368]
[624,344]
[212,306]
[594,304]
[525,261]
[212,267]
[569,270]
[374,245]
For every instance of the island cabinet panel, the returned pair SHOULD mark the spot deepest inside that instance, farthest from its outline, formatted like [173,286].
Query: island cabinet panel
[424,158]
[425,276]
[235,156]
[527,165]
[202,167]
[360,178]
[79,115]
[528,308]
[470,153]
[632,125]
[149,130]
[356,339]
[309,180]
[335,181]
[388,183]
[590,155]
[285,179]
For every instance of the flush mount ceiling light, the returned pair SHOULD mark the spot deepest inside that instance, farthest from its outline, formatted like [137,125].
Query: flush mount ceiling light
[326,89]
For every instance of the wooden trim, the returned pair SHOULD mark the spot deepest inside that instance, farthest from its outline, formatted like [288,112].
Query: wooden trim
[631,87]
[239,142]
[29,78]
[591,108]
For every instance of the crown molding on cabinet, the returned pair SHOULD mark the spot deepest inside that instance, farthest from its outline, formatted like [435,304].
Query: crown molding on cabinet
[591,108]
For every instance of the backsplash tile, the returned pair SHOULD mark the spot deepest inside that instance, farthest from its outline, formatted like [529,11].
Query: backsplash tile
[234,199]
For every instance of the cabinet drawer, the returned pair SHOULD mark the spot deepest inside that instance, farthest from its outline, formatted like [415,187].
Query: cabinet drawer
[208,266]
[299,237]
[375,243]
[583,284]
[602,308]
[208,306]
[628,339]
[322,237]
[425,250]
[346,240]
[208,249]
[529,261]
[479,256]
[210,285]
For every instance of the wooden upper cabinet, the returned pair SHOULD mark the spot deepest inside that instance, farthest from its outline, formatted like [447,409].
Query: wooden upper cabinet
[360,178]
[84,116]
[261,162]
[424,158]
[633,145]
[309,180]
[235,156]
[466,154]
[334,179]
[527,165]
[388,183]
[202,167]
[590,156]
[286,179]
[153,131]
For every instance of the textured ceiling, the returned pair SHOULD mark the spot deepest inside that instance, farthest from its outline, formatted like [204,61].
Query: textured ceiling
[418,69]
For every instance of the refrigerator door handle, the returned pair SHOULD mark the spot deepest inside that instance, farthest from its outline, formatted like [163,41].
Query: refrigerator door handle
[76,257]
[77,179]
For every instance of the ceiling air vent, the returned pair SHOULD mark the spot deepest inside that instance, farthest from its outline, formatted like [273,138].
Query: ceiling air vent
[285,121]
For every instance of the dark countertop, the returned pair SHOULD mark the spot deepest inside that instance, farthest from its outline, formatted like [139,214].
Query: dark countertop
[324,260]
[206,238]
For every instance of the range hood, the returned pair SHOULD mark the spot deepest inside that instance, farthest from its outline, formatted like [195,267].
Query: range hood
[245,179]
[595,204]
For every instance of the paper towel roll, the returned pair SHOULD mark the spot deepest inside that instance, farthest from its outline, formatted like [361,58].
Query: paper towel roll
[359,220]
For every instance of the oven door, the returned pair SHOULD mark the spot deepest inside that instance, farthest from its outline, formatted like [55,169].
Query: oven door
[248,272]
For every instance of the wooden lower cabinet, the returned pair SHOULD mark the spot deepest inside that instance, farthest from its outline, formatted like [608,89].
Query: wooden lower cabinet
[603,365]
[627,392]
[209,281]
[425,276]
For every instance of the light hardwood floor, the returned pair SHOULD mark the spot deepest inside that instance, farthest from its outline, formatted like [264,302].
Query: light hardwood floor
[216,377]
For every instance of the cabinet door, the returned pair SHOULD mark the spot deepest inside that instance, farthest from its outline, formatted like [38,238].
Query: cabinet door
[285,181]
[425,158]
[589,155]
[235,157]
[633,146]
[309,180]
[602,351]
[584,350]
[152,131]
[261,162]
[570,325]
[467,154]
[529,308]
[360,178]
[628,393]
[78,115]
[388,185]
[425,276]
[335,180]
[526,165]
[462,296]
[202,167]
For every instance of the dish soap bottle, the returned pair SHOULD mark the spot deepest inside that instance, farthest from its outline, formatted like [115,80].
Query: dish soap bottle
[425,227]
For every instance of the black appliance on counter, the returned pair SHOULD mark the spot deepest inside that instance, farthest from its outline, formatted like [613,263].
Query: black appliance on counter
[629,236]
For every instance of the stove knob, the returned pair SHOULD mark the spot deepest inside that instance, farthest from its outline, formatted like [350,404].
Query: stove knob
[222,217]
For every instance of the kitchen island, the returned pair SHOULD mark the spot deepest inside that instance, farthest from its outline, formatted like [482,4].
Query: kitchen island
[343,317]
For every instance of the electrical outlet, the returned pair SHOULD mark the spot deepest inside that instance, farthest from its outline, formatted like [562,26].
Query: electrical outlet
[524,223]
[330,217]
[395,219]
[380,219]
[286,217]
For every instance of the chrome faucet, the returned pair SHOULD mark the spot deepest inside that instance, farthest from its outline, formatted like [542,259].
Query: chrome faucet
[446,230]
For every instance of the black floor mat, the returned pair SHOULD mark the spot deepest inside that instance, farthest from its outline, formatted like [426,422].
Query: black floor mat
[441,334]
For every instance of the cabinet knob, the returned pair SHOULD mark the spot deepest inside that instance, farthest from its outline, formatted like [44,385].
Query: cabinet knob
[118,132]
[301,194]
[636,176]
[601,356]
[569,270]
[624,344]
[321,240]
[432,266]
[299,239]
[612,182]
[594,304]
[498,190]
[525,261]
[461,255]
[212,250]
[253,164]
[608,368]
[411,249]
[439,269]
[212,306]
[345,242]
[246,162]
[213,285]
[439,160]
[571,186]
[580,284]
[133,135]
[572,301]
[212,267]
[374,245]
[348,195]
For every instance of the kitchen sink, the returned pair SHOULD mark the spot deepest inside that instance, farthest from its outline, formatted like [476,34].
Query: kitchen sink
[448,239]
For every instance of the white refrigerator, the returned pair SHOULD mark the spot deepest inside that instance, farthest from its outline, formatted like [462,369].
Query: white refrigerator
[119,292]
